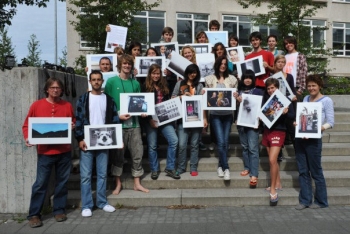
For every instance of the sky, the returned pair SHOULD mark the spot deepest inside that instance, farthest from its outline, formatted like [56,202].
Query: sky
[49,127]
[39,21]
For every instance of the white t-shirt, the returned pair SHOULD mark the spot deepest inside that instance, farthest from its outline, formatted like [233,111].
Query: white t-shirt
[97,108]
[291,65]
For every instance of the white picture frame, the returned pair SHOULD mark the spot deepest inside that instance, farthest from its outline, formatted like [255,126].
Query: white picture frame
[116,37]
[137,103]
[100,137]
[236,57]
[217,36]
[219,99]
[192,117]
[49,130]
[93,61]
[177,64]
[168,111]
[143,63]
[201,48]
[273,108]
[205,64]
[168,46]
[249,110]
[284,86]
[255,64]
[106,77]
[309,120]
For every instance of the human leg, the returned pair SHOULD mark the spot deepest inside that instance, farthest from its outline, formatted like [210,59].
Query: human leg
[243,138]
[253,151]
[169,133]
[86,160]
[152,137]
[101,169]
[219,135]
[274,167]
[118,162]
[182,155]
[195,136]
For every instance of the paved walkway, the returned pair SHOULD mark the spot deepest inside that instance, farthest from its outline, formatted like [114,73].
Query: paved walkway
[144,220]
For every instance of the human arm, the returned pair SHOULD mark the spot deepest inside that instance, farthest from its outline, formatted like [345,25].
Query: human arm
[329,114]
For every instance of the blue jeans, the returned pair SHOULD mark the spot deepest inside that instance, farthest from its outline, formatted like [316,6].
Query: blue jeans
[86,164]
[308,156]
[183,138]
[249,138]
[222,127]
[169,133]
[62,164]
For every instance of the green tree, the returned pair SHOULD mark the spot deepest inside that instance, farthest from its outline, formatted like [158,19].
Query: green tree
[63,60]
[6,47]
[91,23]
[288,17]
[33,57]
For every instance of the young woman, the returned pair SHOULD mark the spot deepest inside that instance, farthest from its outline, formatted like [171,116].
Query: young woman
[151,52]
[201,37]
[273,139]
[188,87]
[219,50]
[135,49]
[308,151]
[157,84]
[272,43]
[233,41]
[221,120]
[249,137]
[189,53]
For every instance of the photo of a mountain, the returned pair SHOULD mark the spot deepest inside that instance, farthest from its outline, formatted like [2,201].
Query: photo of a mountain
[49,130]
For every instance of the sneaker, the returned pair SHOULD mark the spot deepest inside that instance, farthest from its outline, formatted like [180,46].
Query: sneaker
[315,206]
[300,207]
[172,173]
[86,213]
[109,208]
[154,175]
[202,146]
[194,173]
[227,175]
[220,172]
[212,146]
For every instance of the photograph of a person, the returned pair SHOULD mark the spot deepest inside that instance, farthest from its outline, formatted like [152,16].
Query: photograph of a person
[192,111]
[284,86]
[137,103]
[201,48]
[219,99]
[177,64]
[255,64]
[102,62]
[142,64]
[99,137]
[165,48]
[168,111]
[235,54]
[249,110]
[308,118]
[205,64]
[217,36]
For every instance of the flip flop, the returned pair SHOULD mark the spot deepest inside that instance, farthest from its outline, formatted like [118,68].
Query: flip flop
[253,183]
[244,173]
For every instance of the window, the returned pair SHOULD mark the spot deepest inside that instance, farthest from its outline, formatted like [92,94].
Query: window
[342,1]
[154,22]
[341,38]
[317,31]
[188,25]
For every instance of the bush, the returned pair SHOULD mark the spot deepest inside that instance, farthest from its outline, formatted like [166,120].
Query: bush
[336,85]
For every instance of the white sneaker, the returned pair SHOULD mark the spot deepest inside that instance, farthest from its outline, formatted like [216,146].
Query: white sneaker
[109,208]
[227,175]
[220,172]
[211,146]
[86,213]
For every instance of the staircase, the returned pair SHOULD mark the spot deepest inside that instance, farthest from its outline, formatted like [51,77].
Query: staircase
[208,189]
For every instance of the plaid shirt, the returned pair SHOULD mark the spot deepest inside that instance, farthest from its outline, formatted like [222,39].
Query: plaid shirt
[301,72]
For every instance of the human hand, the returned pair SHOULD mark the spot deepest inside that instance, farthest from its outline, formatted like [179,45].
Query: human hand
[82,146]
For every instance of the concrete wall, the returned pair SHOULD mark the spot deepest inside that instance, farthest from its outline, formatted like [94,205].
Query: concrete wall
[20,87]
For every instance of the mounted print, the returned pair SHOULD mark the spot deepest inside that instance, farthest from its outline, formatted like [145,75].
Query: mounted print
[49,130]
[217,36]
[248,114]
[235,54]
[99,137]
[137,103]
[106,77]
[219,99]
[93,61]
[284,86]
[255,64]
[166,48]
[201,48]
[142,64]
[116,37]
[205,64]
[177,64]
[192,113]
[273,108]
[309,120]
[168,111]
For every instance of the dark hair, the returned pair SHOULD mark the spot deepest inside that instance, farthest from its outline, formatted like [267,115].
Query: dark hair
[199,34]
[272,35]
[234,37]
[272,81]
[105,58]
[255,34]
[217,65]
[290,39]
[134,44]
[248,74]
[191,69]
[151,48]
[162,83]
[214,23]
[168,30]
[215,48]
[125,57]
[49,82]
[95,72]
[315,78]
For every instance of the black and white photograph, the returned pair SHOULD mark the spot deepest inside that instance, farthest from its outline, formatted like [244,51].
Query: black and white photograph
[284,86]
[168,111]
[255,64]
[273,108]
[165,48]
[99,137]
[235,54]
[48,130]
[192,112]
[106,77]
[217,36]
[219,99]
[142,64]
[94,62]
[137,103]
[177,64]
[205,64]
[309,120]
[249,110]
[201,48]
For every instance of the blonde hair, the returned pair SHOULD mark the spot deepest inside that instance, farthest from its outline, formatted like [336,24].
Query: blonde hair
[193,60]
[278,57]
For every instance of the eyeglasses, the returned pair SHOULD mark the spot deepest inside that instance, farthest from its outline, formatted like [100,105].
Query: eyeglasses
[53,88]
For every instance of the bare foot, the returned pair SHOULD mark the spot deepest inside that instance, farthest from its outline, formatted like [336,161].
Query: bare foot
[116,191]
[139,187]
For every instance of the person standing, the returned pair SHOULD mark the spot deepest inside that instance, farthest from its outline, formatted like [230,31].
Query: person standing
[272,43]
[49,156]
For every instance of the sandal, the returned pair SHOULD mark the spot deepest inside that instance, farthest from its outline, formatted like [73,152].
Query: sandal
[273,199]
[244,173]
[253,183]
[269,189]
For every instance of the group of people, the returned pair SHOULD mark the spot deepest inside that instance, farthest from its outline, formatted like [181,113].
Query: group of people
[97,107]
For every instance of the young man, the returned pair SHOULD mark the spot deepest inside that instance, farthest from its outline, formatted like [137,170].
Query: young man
[167,34]
[49,156]
[214,25]
[94,108]
[255,39]
[131,127]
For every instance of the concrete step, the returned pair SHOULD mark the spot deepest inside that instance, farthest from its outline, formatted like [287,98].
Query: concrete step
[340,127]
[341,116]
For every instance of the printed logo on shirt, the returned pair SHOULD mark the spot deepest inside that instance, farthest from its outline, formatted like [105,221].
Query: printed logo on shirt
[275,140]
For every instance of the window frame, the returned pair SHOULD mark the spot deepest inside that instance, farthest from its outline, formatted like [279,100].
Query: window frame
[344,28]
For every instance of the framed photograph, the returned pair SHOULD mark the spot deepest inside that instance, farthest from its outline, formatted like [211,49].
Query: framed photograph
[165,48]
[142,64]
[192,113]
[49,130]
[255,64]
[99,137]
[106,77]
[235,54]
[309,120]
[205,64]
[273,108]
[201,48]
[93,61]
[115,38]
[168,111]
[217,36]
[249,110]
[219,99]
[177,64]
[137,103]
[284,86]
